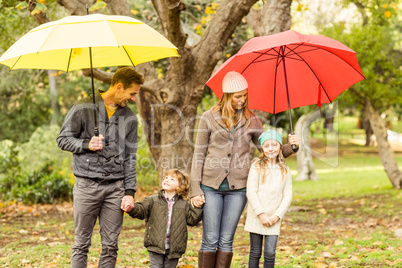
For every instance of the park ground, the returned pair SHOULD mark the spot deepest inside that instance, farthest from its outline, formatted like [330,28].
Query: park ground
[350,217]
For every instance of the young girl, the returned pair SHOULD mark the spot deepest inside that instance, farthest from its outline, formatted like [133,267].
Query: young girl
[269,193]
[167,215]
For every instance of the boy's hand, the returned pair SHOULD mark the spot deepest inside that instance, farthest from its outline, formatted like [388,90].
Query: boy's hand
[197,201]
[127,203]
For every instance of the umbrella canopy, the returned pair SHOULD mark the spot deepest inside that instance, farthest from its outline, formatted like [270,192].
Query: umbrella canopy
[63,44]
[80,42]
[289,70]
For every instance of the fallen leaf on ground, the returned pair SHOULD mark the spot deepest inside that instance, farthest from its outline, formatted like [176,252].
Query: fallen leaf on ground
[327,254]
[320,265]
[338,242]
[371,222]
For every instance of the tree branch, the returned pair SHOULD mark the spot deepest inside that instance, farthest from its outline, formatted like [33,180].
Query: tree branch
[40,17]
[118,7]
[105,77]
[169,17]
[208,51]
[76,7]
[274,17]
[362,11]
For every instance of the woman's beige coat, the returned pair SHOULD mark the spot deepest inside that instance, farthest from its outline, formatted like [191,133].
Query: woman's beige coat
[219,153]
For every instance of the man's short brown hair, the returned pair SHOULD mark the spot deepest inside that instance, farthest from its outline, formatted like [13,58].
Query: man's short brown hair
[127,76]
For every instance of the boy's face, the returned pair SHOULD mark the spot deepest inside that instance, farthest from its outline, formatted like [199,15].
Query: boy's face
[170,183]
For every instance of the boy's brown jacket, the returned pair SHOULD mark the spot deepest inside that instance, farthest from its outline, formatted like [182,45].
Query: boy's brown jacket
[154,209]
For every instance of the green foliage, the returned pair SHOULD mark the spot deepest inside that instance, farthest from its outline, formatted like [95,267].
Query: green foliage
[377,43]
[42,148]
[24,103]
[98,5]
[8,157]
[147,174]
[34,179]
[32,187]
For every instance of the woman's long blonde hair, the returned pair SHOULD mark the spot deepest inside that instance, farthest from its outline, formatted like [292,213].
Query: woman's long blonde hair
[229,114]
[262,163]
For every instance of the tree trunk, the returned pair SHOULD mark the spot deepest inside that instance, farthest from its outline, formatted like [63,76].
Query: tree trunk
[54,96]
[365,124]
[384,148]
[329,120]
[274,17]
[168,106]
[304,158]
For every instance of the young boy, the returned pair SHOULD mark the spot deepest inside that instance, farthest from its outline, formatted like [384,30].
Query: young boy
[167,215]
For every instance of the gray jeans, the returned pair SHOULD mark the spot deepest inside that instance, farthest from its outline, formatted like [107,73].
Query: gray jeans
[94,200]
[256,250]
[157,260]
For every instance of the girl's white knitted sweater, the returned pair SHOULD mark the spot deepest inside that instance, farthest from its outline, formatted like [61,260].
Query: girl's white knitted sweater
[272,197]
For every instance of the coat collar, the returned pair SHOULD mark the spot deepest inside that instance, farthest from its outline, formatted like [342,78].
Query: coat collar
[217,115]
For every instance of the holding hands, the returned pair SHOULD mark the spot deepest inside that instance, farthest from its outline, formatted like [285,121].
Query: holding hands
[127,203]
[197,201]
[268,221]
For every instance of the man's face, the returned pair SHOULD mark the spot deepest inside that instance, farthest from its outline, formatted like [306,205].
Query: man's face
[123,96]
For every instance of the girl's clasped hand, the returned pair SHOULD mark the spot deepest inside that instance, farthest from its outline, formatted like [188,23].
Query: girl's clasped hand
[268,221]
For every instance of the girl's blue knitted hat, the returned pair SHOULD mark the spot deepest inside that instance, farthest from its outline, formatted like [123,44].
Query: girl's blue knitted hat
[270,134]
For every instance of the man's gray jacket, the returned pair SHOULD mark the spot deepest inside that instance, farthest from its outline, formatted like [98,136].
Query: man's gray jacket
[117,159]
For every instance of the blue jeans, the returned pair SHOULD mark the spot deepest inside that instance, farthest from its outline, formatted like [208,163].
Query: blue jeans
[256,248]
[222,211]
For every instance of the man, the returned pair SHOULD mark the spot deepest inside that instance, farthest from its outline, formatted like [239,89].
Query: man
[104,166]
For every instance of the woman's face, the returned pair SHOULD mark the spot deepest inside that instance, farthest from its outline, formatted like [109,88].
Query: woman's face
[239,99]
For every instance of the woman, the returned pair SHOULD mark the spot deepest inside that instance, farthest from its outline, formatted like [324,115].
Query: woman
[220,168]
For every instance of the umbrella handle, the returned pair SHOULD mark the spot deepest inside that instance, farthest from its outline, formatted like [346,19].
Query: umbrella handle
[96,130]
[294,148]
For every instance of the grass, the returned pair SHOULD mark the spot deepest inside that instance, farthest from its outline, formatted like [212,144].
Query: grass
[347,218]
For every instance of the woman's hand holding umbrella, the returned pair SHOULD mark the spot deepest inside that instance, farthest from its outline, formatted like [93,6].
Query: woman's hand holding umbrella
[294,140]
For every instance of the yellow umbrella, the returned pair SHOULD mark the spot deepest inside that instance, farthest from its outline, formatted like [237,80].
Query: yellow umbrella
[80,42]
[63,44]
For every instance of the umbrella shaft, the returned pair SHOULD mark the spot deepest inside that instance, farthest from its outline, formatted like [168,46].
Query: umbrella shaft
[282,51]
[96,129]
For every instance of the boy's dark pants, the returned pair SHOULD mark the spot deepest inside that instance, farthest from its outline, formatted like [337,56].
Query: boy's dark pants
[157,260]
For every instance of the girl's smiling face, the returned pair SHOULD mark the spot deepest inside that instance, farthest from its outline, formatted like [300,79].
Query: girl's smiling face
[271,149]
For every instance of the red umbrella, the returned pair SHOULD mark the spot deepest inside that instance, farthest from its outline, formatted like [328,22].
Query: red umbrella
[289,70]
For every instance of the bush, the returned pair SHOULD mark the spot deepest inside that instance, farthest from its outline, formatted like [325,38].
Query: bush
[30,186]
[42,186]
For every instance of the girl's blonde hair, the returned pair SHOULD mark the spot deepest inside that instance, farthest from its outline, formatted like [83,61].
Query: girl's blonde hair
[262,163]
[184,181]
[229,114]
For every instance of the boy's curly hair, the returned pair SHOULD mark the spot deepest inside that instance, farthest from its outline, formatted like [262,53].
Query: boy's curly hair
[184,181]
